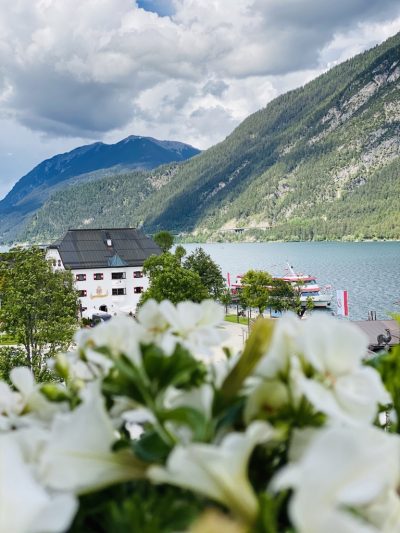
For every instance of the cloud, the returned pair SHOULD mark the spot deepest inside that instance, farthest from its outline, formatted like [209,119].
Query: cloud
[183,68]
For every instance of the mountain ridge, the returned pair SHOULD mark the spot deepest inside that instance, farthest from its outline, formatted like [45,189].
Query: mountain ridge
[133,152]
[319,162]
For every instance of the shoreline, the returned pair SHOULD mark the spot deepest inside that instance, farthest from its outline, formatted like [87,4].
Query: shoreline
[180,240]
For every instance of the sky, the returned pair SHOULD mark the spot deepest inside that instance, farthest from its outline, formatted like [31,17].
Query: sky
[74,72]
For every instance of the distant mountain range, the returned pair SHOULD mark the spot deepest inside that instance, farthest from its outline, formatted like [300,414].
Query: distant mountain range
[83,164]
[319,162]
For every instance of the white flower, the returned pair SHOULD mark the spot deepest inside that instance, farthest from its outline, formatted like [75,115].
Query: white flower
[344,480]
[219,472]
[154,317]
[78,454]
[120,335]
[342,388]
[193,325]
[11,406]
[196,325]
[331,345]
[267,396]
[35,403]
[283,345]
[25,506]
[27,406]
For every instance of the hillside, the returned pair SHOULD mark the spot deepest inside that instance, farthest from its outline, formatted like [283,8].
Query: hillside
[318,162]
[86,163]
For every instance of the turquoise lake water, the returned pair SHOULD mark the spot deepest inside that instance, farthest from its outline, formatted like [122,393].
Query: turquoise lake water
[369,271]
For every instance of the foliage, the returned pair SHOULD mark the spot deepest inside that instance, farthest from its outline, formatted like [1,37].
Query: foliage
[255,291]
[309,303]
[259,289]
[290,171]
[164,239]
[135,507]
[268,441]
[225,298]
[11,357]
[39,306]
[169,280]
[210,273]
[283,297]
[180,253]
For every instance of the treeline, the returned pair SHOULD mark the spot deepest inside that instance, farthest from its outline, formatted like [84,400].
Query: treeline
[285,168]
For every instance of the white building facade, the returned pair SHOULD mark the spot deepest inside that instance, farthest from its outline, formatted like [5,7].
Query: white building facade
[107,266]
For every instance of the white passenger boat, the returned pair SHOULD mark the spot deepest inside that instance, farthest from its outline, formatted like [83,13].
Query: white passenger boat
[306,285]
[309,288]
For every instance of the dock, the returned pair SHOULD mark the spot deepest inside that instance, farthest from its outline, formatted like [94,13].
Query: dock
[374,328]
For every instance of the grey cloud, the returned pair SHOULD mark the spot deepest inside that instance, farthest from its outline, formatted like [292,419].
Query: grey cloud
[295,32]
[62,105]
[215,87]
[215,119]
[87,68]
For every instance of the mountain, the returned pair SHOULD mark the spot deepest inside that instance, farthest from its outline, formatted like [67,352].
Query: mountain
[83,164]
[319,162]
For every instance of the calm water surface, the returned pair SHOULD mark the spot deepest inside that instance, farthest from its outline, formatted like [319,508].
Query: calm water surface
[370,271]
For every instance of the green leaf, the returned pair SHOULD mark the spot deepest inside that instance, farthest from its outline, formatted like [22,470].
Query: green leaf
[190,417]
[256,347]
[54,393]
[180,369]
[272,517]
[151,448]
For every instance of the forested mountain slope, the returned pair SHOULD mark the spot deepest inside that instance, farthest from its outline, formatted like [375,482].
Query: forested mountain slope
[80,165]
[318,162]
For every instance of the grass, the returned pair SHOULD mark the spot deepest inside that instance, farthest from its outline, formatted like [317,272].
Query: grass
[233,318]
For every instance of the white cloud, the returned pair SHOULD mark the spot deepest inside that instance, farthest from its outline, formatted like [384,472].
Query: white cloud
[181,69]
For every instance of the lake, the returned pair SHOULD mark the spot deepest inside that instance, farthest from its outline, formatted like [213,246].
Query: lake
[369,271]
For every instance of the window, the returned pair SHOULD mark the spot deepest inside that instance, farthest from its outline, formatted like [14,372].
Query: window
[98,276]
[138,290]
[82,293]
[138,274]
[54,263]
[118,275]
[118,292]
[59,262]
[81,277]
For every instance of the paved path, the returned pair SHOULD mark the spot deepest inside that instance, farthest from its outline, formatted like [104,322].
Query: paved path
[237,335]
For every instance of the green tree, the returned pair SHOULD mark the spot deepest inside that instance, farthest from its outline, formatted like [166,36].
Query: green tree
[210,273]
[171,281]
[309,303]
[282,296]
[10,357]
[38,306]
[180,253]
[226,298]
[164,239]
[255,289]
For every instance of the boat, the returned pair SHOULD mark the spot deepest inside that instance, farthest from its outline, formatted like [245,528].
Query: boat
[308,288]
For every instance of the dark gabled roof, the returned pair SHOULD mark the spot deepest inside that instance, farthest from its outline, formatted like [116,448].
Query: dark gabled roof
[89,248]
